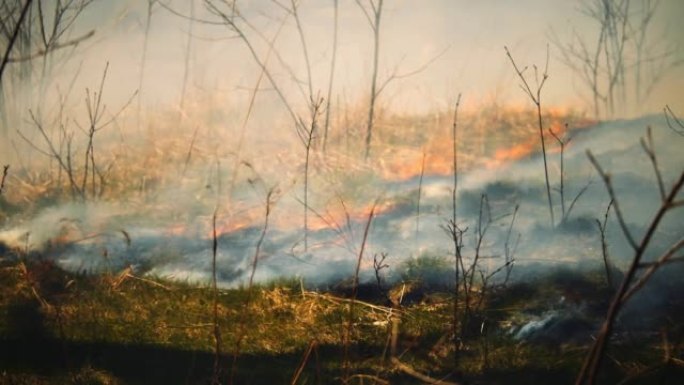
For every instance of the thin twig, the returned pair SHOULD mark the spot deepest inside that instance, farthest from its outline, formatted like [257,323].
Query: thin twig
[649,149]
[338,300]
[577,197]
[604,244]
[190,148]
[509,253]
[673,121]
[303,362]
[665,258]
[54,47]
[420,376]
[618,213]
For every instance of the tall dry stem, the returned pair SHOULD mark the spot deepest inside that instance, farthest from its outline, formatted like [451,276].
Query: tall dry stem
[307,137]
[214,285]
[535,96]
[242,322]
[456,235]
[350,320]
[604,244]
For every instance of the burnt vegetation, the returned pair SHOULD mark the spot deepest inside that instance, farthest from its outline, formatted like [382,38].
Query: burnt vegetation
[167,260]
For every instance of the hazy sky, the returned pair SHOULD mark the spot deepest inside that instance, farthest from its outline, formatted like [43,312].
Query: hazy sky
[466,37]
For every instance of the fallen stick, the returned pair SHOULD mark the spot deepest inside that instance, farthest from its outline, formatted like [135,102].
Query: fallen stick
[413,373]
[341,300]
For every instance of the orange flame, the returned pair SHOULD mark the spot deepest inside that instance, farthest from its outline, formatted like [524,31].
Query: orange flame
[488,139]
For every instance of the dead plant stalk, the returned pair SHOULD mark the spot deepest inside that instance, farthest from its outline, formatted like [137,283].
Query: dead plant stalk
[535,96]
[456,233]
[242,322]
[216,330]
[355,284]
[307,137]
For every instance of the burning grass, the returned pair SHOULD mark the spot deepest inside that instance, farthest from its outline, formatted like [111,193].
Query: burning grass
[139,167]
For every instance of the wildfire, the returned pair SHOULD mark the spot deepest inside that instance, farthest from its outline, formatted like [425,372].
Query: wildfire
[489,139]
[515,152]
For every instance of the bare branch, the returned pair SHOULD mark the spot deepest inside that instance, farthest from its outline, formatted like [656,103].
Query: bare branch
[577,197]
[595,357]
[366,14]
[604,245]
[663,259]
[536,99]
[52,48]
[13,38]
[229,21]
[396,76]
[673,121]
[609,186]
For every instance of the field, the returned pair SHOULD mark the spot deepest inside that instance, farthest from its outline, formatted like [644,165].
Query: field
[271,202]
[113,319]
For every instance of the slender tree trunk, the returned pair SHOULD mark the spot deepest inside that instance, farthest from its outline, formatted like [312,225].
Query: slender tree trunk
[143,60]
[374,79]
[305,52]
[332,77]
[3,66]
[188,50]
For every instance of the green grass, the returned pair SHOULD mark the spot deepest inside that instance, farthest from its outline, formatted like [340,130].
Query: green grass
[61,328]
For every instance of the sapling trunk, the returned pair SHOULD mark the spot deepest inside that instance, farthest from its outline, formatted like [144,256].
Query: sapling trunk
[375,25]
[332,75]
[143,59]
[188,51]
